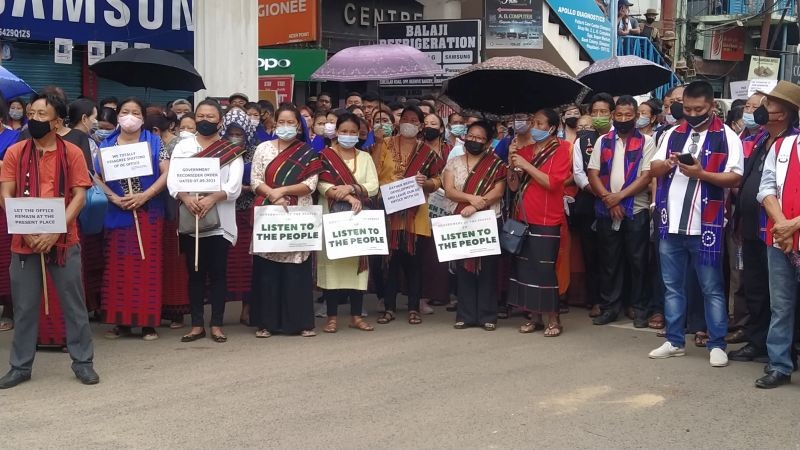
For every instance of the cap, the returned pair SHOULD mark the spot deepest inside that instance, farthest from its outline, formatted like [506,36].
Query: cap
[238,95]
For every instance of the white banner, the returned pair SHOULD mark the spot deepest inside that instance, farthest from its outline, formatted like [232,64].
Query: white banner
[195,174]
[457,237]
[278,231]
[96,50]
[34,215]
[126,161]
[439,205]
[402,194]
[348,235]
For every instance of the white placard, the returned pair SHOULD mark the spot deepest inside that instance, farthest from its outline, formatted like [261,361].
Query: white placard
[126,161]
[141,45]
[457,237]
[96,50]
[401,195]
[117,46]
[63,51]
[195,174]
[761,85]
[739,90]
[348,235]
[278,231]
[35,215]
[439,205]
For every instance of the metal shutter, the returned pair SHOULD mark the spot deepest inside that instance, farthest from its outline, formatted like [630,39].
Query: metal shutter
[34,63]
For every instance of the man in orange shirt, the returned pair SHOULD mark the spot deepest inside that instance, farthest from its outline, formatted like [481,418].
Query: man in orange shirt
[47,166]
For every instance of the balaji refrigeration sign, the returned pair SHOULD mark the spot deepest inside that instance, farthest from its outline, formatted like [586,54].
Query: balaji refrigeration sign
[453,44]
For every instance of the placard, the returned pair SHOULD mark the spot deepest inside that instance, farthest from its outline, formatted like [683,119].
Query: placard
[35,215]
[402,194]
[763,68]
[117,46]
[63,51]
[95,51]
[458,237]
[195,174]
[126,161]
[348,235]
[439,205]
[278,231]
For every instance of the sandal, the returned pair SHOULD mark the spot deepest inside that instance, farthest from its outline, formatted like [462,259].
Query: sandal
[193,337]
[661,333]
[488,326]
[414,318]
[530,327]
[263,333]
[6,324]
[656,321]
[174,325]
[359,324]
[308,333]
[330,325]
[595,312]
[553,330]
[700,339]
[386,317]
[118,332]
[219,338]
[459,325]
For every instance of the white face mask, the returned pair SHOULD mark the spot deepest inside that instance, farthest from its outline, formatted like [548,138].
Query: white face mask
[186,134]
[330,130]
[255,122]
[408,130]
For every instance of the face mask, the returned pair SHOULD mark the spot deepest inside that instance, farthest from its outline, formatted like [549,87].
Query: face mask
[236,141]
[430,133]
[186,134]
[360,143]
[474,148]
[520,126]
[601,123]
[697,121]
[319,130]
[180,116]
[571,122]
[347,141]
[642,122]
[539,135]
[761,115]
[624,127]
[669,119]
[386,127]
[329,130]
[255,122]
[408,130]
[587,138]
[130,123]
[650,19]
[15,114]
[458,130]
[676,109]
[749,120]
[103,134]
[286,132]
[207,128]
[38,129]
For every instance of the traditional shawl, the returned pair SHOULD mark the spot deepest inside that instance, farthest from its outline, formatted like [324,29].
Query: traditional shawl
[633,159]
[293,165]
[788,182]
[538,161]
[222,149]
[713,157]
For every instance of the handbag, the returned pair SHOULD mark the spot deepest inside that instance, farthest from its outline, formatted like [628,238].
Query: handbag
[186,221]
[513,233]
[93,213]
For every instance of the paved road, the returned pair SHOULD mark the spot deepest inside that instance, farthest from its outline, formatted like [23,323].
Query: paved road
[428,386]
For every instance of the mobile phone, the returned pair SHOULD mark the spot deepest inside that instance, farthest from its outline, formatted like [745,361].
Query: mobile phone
[686,158]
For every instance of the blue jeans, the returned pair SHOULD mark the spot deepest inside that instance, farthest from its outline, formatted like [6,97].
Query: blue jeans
[783,298]
[677,253]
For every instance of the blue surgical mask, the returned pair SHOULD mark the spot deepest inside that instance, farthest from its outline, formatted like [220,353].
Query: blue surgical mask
[347,141]
[670,119]
[539,135]
[642,122]
[749,120]
[286,132]
[103,134]
[520,126]
[458,130]
[561,134]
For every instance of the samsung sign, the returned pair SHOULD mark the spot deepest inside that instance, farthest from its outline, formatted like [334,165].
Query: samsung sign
[166,24]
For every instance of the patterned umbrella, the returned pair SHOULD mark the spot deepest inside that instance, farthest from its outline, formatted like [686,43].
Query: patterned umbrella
[629,74]
[377,62]
[507,85]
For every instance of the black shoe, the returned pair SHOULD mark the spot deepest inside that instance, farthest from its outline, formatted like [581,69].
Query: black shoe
[13,378]
[193,337]
[747,353]
[640,321]
[773,380]
[605,318]
[87,375]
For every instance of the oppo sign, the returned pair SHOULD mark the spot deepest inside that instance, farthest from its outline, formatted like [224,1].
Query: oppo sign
[271,63]
[298,62]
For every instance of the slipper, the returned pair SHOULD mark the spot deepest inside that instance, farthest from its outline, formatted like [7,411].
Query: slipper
[6,324]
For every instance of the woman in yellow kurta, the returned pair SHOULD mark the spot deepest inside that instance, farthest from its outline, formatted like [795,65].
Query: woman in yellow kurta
[348,178]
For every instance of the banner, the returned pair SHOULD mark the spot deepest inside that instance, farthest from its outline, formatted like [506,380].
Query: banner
[725,45]
[452,44]
[402,194]
[514,24]
[282,84]
[195,174]
[348,235]
[589,23]
[126,161]
[439,205]
[286,21]
[458,237]
[34,215]
[278,231]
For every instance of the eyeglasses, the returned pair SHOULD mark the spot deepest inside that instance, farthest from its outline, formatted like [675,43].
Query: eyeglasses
[693,145]
[472,137]
[585,128]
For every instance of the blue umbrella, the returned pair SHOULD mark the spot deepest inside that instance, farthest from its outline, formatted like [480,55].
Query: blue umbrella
[11,86]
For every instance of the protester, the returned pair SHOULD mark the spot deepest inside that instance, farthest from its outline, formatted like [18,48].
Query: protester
[7,138]
[545,162]
[109,102]
[106,125]
[187,127]
[324,103]
[16,114]
[181,107]
[371,103]
[397,109]
[266,130]
[751,127]
[352,99]
[569,122]
[127,305]
[285,172]
[691,226]
[475,181]
[61,172]
[236,100]
[648,116]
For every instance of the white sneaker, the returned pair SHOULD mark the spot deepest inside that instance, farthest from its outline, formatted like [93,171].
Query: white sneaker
[667,350]
[718,358]
[322,310]
[425,308]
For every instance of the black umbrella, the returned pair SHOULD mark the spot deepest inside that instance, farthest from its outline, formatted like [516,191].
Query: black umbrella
[150,68]
[621,75]
[507,85]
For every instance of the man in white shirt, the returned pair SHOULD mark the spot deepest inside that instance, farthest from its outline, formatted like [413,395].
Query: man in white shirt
[696,163]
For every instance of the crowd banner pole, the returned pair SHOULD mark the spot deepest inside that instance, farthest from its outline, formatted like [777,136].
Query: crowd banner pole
[197,238]
[44,286]
[136,222]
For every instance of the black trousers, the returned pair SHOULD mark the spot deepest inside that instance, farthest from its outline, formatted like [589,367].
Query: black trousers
[591,259]
[477,292]
[335,297]
[283,298]
[376,274]
[411,266]
[213,269]
[756,291]
[621,251]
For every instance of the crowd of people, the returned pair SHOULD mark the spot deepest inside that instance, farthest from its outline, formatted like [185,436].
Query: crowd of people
[675,209]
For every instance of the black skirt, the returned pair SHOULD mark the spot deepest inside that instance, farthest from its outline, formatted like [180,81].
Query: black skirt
[533,285]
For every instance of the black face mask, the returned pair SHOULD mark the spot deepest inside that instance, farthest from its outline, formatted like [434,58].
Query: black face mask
[650,19]
[430,133]
[696,121]
[474,148]
[624,127]
[207,128]
[38,129]
[571,122]
[587,138]
[676,109]
[761,115]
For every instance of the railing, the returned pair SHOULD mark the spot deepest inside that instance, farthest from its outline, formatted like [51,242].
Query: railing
[644,48]
[750,7]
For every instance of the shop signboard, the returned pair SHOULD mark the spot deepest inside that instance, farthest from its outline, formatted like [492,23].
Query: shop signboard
[589,23]
[286,21]
[285,61]
[514,24]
